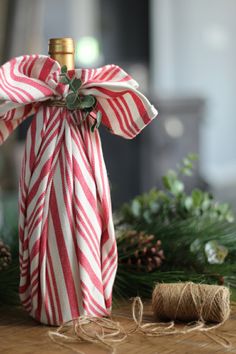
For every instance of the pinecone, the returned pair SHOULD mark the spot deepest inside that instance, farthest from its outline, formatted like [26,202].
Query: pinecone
[143,252]
[5,256]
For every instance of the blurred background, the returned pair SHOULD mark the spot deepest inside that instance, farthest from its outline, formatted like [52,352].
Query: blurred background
[182,53]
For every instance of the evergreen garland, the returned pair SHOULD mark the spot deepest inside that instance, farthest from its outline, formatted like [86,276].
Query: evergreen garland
[196,232]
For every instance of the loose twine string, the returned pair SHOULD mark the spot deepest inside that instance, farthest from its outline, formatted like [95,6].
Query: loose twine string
[196,304]
[78,119]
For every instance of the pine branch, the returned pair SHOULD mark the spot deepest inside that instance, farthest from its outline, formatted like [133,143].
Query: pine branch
[9,283]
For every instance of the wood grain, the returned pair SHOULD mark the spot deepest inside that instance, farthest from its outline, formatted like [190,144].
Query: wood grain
[19,334]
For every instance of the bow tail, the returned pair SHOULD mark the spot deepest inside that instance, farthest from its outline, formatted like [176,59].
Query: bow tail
[11,116]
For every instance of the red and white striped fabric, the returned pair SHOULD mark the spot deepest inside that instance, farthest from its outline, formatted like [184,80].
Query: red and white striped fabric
[68,255]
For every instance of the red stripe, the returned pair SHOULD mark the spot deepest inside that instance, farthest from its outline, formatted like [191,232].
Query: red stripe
[81,179]
[35,250]
[112,271]
[51,302]
[36,211]
[135,126]
[87,225]
[22,80]
[42,250]
[10,93]
[46,91]
[86,289]
[66,267]
[141,108]
[26,300]
[90,271]
[69,206]
[66,188]
[111,252]
[46,142]
[108,74]
[82,147]
[105,198]
[30,67]
[33,139]
[46,69]
[88,305]
[126,118]
[112,261]
[59,313]
[45,170]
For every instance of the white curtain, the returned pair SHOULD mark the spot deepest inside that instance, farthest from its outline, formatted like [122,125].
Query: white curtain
[27,28]
[3,20]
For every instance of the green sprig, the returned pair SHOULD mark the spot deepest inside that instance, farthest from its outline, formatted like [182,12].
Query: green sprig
[173,203]
[75,101]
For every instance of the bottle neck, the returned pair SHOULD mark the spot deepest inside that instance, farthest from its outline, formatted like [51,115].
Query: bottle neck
[64,59]
[62,50]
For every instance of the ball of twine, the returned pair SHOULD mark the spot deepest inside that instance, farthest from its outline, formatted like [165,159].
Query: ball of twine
[191,302]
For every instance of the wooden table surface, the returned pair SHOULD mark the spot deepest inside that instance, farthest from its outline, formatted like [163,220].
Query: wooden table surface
[20,334]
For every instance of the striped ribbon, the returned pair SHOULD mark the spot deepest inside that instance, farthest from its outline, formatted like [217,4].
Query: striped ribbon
[68,255]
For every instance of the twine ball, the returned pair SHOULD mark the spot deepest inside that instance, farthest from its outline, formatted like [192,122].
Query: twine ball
[191,302]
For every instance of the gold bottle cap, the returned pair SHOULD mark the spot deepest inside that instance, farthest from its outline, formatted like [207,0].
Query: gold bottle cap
[62,50]
[61,45]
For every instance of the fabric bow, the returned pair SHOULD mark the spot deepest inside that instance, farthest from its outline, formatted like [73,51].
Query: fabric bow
[27,81]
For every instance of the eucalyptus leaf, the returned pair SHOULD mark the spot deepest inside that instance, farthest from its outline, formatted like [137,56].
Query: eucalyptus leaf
[229,216]
[166,182]
[187,163]
[71,101]
[154,207]
[223,208]
[75,84]
[213,214]
[64,80]
[71,97]
[97,121]
[172,174]
[161,196]
[171,182]
[186,171]
[172,203]
[147,216]
[99,118]
[192,157]
[64,69]
[206,204]
[87,102]
[197,197]
[188,202]
[177,187]
[136,208]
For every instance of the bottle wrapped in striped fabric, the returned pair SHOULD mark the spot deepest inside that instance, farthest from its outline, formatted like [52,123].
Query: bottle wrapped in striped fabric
[68,255]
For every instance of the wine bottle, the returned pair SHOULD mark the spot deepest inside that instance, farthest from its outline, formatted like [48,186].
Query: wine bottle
[67,244]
